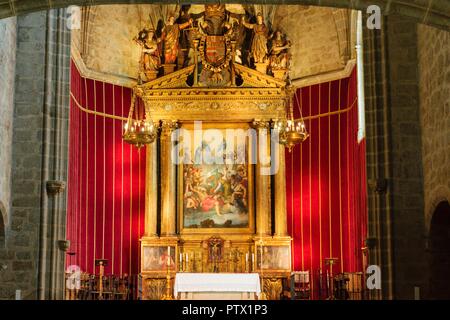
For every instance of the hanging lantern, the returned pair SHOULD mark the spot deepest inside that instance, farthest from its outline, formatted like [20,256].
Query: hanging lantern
[291,131]
[139,129]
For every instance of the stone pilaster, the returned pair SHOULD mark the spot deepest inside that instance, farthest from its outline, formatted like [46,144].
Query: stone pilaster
[377,148]
[34,259]
[8,34]
[54,156]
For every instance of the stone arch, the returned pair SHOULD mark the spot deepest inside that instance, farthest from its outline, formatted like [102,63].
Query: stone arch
[434,13]
[440,194]
[439,249]
[3,221]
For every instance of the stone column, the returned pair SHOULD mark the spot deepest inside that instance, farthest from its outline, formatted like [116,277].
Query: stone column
[54,156]
[280,195]
[168,183]
[263,212]
[151,190]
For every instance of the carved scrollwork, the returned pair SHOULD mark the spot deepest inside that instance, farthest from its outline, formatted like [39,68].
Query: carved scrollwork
[214,110]
[272,288]
[216,105]
[167,126]
[261,124]
[155,288]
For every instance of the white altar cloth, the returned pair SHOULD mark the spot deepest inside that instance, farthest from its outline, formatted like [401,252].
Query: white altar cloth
[217,282]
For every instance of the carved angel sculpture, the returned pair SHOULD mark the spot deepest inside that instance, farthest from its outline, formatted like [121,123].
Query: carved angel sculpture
[259,40]
[151,56]
[171,38]
[279,57]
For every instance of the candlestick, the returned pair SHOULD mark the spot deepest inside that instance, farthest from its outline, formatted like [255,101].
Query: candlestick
[168,253]
[263,294]
[253,261]
[246,262]
[168,294]
[181,262]
[201,260]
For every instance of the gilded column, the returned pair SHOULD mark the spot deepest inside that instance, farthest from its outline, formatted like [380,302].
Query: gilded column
[262,176]
[151,190]
[168,183]
[280,195]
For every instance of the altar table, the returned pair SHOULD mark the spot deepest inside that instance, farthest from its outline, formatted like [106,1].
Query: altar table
[217,286]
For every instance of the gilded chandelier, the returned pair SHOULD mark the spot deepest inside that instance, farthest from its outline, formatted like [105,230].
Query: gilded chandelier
[139,129]
[291,131]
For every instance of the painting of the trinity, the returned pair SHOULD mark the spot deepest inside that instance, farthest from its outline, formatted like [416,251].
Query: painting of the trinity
[215,195]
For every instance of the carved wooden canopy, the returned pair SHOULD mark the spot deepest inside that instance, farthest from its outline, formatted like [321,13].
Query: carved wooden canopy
[259,96]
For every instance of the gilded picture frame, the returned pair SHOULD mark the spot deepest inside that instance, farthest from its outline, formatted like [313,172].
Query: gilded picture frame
[183,221]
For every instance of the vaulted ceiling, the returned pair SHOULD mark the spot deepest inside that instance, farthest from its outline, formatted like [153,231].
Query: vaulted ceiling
[436,13]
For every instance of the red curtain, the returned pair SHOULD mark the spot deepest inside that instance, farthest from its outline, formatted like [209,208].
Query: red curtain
[326,180]
[106,183]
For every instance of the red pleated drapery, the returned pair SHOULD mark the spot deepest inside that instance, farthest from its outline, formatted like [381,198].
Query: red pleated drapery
[106,182]
[326,180]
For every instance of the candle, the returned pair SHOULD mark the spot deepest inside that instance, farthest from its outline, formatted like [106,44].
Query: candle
[187,257]
[181,259]
[246,262]
[261,261]
[168,253]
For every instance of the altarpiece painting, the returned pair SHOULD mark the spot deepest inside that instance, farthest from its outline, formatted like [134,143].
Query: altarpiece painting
[216,180]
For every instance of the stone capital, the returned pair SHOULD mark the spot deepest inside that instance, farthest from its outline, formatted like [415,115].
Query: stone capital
[55,187]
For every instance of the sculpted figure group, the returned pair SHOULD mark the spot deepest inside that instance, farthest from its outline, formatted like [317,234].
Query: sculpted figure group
[254,45]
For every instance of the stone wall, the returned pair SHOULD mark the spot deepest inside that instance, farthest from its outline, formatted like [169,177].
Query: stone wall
[317,35]
[406,181]
[434,69]
[8,34]
[21,252]
[404,141]
[417,126]
[31,260]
